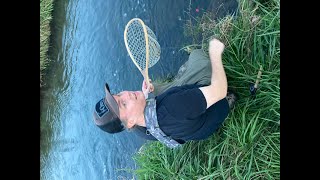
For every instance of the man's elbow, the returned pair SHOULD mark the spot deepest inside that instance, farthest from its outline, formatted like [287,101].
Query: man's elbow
[214,93]
[222,90]
[219,92]
[222,95]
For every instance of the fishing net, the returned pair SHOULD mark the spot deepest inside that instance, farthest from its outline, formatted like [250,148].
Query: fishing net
[136,41]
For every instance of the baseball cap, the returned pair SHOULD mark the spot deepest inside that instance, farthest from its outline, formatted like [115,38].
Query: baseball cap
[106,113]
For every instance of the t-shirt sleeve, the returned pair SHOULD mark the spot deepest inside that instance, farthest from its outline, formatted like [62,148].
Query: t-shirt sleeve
[186,103]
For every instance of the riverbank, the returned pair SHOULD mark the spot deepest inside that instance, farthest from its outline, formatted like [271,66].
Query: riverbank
[247,146]
[46,7]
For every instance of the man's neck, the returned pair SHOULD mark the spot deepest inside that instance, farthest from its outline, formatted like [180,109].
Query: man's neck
[141,121]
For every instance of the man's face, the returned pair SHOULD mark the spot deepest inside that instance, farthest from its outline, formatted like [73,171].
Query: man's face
[131,104]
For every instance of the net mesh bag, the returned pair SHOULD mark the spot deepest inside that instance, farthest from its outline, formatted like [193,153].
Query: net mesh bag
[136,44]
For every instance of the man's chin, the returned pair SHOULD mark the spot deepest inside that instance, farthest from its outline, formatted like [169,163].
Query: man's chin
[139,95]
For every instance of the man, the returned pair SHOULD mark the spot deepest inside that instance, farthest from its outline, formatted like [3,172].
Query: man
[181,113]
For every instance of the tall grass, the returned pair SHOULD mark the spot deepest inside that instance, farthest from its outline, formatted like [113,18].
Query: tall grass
[46,7]
[247,146]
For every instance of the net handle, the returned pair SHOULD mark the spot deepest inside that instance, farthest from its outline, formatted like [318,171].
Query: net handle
[145,71]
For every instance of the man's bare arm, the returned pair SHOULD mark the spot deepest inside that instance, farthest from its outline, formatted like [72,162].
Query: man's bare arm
[217,90]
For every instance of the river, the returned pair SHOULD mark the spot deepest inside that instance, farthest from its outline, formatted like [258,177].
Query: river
[88,50]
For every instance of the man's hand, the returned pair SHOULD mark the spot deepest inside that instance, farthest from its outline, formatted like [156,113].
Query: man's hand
[216,48]
[147,89]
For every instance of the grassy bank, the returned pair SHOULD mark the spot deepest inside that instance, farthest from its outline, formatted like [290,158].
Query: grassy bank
[45,19]
[247,146]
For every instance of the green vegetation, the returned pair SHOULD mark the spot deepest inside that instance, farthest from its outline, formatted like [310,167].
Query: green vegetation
[247,146]
[46,7]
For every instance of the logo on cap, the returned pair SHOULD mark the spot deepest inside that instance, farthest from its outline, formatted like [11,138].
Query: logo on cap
[101,108]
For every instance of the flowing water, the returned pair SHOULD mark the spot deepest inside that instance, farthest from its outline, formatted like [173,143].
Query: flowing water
[88,50]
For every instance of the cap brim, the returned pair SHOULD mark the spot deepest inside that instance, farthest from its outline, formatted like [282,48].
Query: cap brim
[112,103]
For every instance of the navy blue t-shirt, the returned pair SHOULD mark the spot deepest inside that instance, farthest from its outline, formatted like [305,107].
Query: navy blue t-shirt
[182,114]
